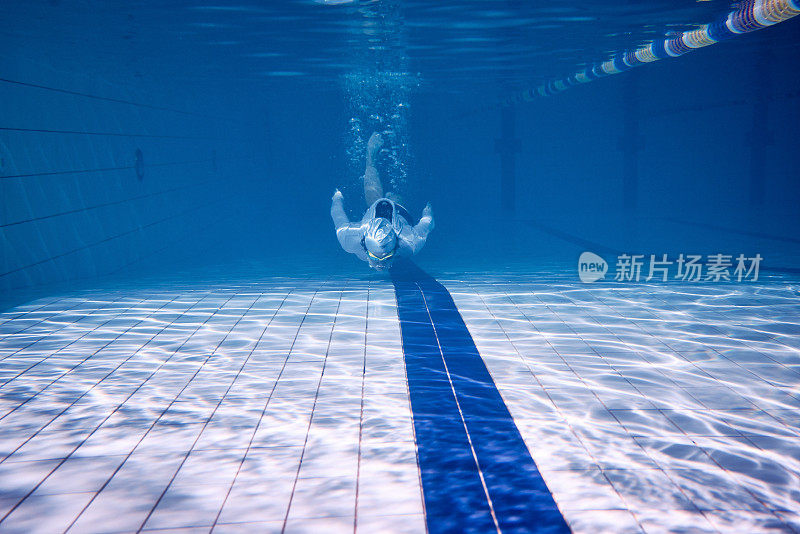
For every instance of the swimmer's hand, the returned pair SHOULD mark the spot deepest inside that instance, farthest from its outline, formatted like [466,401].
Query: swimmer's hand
[428,212]
[337,195]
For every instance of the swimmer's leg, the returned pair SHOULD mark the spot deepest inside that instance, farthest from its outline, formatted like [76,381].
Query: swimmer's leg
[373,189]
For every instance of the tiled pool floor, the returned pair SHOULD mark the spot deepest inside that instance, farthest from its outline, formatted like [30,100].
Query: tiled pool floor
[652,407]
[282,404]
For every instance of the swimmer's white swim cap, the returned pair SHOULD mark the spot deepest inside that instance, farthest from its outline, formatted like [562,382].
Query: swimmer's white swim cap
[380,241]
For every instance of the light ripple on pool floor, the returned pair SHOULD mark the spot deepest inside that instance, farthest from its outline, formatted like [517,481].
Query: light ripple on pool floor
[647,407]
[664,402]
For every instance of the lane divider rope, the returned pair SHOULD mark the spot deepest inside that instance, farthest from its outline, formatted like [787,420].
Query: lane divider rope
[751,15]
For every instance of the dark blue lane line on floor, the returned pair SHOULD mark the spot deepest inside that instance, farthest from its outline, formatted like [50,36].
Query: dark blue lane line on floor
[474,465]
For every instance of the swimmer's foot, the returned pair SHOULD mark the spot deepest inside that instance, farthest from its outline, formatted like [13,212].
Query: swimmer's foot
[373,146]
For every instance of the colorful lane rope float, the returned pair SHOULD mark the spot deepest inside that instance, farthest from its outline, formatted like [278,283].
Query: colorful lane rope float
[751,15]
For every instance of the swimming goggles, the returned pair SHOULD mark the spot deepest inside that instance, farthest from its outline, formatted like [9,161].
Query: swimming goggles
[380,258]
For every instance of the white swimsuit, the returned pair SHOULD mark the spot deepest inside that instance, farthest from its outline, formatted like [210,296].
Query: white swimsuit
[411,239]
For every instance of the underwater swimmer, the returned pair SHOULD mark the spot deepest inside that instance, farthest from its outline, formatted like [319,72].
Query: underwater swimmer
[385,232]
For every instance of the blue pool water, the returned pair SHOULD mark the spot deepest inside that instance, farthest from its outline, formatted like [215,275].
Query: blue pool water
[599,335]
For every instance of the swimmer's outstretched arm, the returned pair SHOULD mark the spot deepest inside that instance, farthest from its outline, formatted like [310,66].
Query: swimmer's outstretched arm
[425,224]
[422,229]
[348,234]
[337,210]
